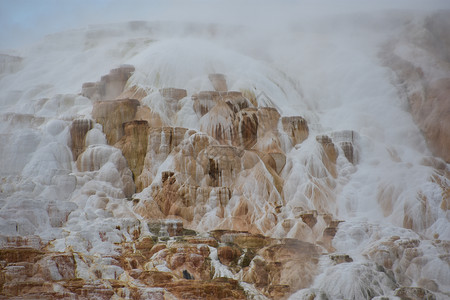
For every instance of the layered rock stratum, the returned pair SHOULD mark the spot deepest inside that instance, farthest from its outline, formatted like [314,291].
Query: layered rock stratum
[193,171]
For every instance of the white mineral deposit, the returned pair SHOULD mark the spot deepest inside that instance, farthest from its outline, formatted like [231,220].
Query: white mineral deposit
[220,149]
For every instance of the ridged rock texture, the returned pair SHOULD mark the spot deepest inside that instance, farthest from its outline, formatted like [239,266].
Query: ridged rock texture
[202,174]
[113,114]
[203,187]
[78,131]
[110,86]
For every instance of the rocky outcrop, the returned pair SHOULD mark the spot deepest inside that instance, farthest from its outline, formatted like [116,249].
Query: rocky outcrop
[276,267]
[218,122]
[29,271]
[132,92]
[173,93]
[144,113]
[223,288]
[204,101]
[134,145]
[219,82]
[403,257]
[268,118]
[223,164]
[291,263]
[112,115]
[348,141]
[296,128]
[171,261]
[329,154]
[236,101]
[246,127]
[219,186]
[229,178]
[240,142]
[231,174]
[78,131]
[110,86]
[166,227]
[413,293]
[161,141]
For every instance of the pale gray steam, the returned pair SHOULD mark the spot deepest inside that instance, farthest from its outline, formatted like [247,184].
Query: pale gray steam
[25,21]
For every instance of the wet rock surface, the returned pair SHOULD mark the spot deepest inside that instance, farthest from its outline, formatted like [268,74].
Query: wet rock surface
[78,131]
[165,263]
[112,114]
[110,86]
[211,190]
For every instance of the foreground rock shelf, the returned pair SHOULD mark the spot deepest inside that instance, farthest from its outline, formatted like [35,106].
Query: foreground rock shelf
[212,191]
[224,180]
[177,263]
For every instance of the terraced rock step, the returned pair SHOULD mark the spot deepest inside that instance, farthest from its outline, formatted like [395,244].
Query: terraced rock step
[174,261]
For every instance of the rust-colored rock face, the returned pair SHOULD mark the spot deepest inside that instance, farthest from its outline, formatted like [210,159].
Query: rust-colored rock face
[110,86]
[78,131]
[133,92]
[223,163]
[160,143]
[329,154]
[348,141]
[218,122]
[411,293]
[219,82]
[291,263]
[173,93]
[204,101]
[296,128]
[134,145]
[112,114]
[230,175]
[246,126]
[173,261]
[32,272]
[309,218]
[228,255]
[268,120]
[29,270]
[236,101]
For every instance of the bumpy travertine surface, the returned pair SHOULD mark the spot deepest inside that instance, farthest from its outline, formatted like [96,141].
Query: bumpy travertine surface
[173,167]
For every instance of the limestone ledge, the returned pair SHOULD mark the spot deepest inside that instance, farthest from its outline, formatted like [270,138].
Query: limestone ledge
[174,263]
[234,165]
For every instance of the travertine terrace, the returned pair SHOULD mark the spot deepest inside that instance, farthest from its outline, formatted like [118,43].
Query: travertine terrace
[174,167]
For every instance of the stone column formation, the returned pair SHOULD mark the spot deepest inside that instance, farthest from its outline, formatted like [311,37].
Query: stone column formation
[207,186]
[237,140]
[137,188]
[226,181]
